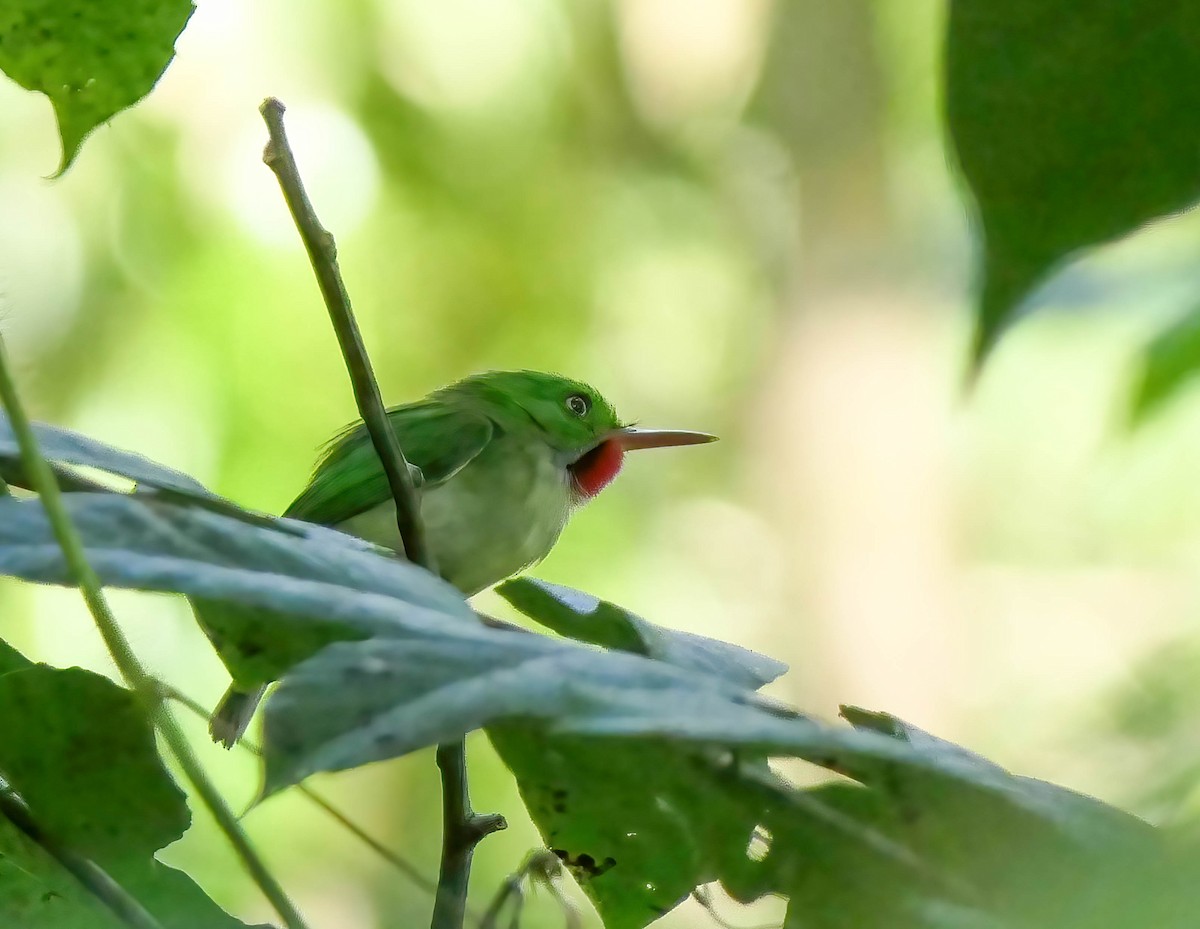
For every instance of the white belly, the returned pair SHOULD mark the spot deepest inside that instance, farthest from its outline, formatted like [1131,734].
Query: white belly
[487,522]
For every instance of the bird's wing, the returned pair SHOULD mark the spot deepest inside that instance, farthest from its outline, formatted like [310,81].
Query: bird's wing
[437,438]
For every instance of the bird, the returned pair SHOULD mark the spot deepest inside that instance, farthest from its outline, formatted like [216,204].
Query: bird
[500,459]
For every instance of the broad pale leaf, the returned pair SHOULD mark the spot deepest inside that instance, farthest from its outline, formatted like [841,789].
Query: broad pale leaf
[1088,822]
[306,585]
[357,702]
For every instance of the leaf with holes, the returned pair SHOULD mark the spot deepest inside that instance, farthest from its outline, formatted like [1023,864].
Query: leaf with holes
[1073,126]
[91,59]
[358,702]
[639,821]
[639,824]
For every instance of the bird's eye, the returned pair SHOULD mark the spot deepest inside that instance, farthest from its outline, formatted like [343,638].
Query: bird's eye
[579,404]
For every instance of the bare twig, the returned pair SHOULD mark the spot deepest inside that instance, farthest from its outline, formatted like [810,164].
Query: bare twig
[94,879]
[44,482]
[322,253]
[462,827]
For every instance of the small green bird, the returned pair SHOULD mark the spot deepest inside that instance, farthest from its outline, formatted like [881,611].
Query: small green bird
[504,458]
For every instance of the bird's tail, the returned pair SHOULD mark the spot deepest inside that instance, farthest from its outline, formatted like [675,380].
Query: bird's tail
[232,716]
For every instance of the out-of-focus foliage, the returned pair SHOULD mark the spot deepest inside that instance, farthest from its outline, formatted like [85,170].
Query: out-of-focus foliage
[91,59]
[1170,362]
[1071,126]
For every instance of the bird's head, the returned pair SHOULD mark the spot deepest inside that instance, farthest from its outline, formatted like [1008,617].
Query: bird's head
[581,427]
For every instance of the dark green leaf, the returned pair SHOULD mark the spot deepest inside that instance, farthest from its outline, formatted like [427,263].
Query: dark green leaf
[586,618]
[58,725]
[91,59]
[1169,363]
[638,824]
[1073,125]
[80,753]
[11,659]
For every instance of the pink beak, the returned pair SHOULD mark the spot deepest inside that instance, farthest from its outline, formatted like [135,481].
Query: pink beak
[631,438]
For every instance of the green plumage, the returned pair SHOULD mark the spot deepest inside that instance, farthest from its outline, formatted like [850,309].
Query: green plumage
[494,453]
[504,458]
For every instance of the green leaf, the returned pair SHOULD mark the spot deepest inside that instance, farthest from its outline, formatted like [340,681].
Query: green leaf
[1073,126]
[59,723]
[639,825]
[647,778]
[585,618]
[306,584]
[92,58]
[639,822]
[11,659]
[80,753]
[1169,363]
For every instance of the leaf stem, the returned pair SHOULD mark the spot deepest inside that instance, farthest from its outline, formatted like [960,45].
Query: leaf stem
[462,827]
[95,879]
[44,482]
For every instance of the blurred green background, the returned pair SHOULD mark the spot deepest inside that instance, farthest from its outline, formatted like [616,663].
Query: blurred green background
[730,215]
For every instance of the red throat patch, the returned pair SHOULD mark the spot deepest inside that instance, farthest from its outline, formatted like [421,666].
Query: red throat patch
[595,470]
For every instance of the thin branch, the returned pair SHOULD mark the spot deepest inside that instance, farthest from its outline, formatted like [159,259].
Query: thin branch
[322,253]
[462,828]
[94,879]
[406,868]
[44,482]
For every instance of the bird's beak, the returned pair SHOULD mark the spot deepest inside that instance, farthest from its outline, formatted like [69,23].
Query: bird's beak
[631,438]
